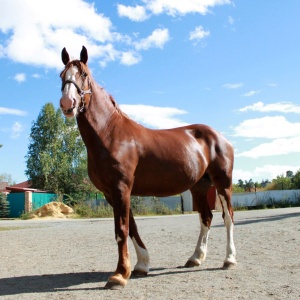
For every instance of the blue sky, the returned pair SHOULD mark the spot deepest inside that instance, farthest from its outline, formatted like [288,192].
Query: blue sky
[233,65]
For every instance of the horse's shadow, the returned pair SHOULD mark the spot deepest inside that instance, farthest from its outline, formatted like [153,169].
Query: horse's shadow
[71,281]
[49,282]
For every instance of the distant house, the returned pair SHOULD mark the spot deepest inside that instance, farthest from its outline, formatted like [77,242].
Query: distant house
[23,198]
[23,187]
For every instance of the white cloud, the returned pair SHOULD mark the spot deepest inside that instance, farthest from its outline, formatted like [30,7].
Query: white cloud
[267,127]
[251,93]
[36,75]
[136,13]
[36,31]
[155,117]
[230,20]
[179,7]
[157,39]
[130,58]
[16,130]
[277,147]
[199,33]
[11,111]
[283,107]
[20,77]
[232,85]
[263,172]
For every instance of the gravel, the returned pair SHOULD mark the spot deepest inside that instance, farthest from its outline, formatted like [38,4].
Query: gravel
[72,259]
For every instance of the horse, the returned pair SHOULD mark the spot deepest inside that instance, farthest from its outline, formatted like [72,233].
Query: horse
[125,158]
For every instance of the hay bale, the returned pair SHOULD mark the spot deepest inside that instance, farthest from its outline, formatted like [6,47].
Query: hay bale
[53,210]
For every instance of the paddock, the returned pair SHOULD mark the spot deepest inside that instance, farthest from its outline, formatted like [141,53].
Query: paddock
[72,259]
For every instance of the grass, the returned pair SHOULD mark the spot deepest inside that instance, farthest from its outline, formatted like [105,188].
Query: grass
[10,228]
[26,216]
[138,206]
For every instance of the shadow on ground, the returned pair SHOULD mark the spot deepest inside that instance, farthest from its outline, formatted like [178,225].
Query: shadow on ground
[72,281]
[49,283]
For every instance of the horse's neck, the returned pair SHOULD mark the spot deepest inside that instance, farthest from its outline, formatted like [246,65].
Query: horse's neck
[99,117]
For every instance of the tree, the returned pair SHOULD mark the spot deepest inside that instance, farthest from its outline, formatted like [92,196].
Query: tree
[4,177]
[246,186]
[282,183]
[296,180]
[56,159]
[4,206]
[249,185]
[289,174]
[264,183]
[241,184]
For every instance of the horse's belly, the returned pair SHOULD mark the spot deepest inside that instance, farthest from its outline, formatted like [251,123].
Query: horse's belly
[166,179]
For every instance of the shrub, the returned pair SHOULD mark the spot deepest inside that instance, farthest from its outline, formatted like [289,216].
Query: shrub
[4,206]
[138,205]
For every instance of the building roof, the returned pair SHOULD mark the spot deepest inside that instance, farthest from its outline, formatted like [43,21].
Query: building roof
[23,187]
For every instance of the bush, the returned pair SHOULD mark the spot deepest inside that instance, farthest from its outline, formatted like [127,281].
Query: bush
[138,205]
[101,211]
[4,206]
[272,203]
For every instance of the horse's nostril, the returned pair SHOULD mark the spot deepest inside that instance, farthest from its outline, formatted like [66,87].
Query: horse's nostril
[70,110]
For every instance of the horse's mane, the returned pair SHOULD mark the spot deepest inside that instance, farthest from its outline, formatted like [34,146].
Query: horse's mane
[84,68]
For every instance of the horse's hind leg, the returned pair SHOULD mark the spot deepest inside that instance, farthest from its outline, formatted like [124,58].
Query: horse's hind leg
[199,192]
[225,198]
[142,266]
[223,183]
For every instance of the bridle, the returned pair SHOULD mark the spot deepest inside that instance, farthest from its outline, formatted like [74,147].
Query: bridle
[80,91]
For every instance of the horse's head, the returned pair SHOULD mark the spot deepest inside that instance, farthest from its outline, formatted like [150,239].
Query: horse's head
[75,83]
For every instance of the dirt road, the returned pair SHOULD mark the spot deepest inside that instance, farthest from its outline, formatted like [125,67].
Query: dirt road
[72,259]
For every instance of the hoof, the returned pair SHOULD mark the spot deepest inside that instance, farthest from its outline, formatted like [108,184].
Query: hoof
[192,264]
[229,266]
[114,286]
[137,273]
[116,282]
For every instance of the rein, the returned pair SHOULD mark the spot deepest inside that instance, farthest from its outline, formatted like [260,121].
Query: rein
[80,91]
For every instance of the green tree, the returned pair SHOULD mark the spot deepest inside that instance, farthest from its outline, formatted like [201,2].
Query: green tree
[249,185]
[282,183]
[4,206]
[241,184]
[56,158]
[296,180]
[237,189]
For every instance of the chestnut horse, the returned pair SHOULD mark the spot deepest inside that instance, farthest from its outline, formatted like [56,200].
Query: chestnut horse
[125,158]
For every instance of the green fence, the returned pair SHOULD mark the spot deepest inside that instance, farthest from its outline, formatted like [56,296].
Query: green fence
[40,199]
[17,202]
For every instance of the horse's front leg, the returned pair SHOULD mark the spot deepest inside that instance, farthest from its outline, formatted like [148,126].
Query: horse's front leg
[142,266]
[121,206]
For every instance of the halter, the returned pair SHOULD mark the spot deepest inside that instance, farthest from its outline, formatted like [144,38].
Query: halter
[80,91]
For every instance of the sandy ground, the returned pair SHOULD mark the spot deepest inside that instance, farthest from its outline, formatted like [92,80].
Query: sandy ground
[72,259]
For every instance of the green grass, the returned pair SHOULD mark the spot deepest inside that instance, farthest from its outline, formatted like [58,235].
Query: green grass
[10,228]
[139,208]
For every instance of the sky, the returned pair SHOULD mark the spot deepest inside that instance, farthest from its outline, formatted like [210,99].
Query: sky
[231,64]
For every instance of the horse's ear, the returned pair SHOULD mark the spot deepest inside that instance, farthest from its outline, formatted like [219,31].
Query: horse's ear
[65,56]
[83,55]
